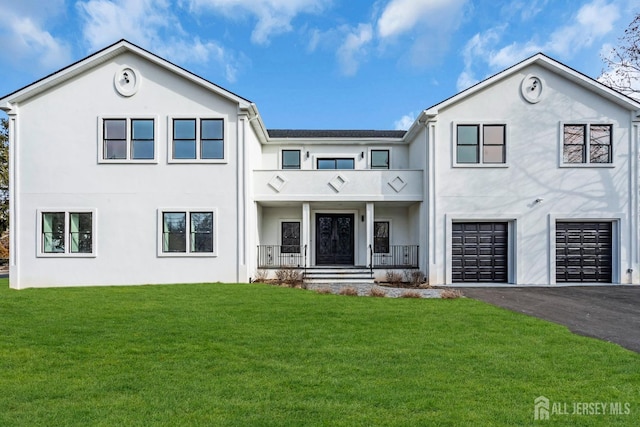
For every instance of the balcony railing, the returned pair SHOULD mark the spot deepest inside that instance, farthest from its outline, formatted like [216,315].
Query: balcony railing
[277,256]
[399,256]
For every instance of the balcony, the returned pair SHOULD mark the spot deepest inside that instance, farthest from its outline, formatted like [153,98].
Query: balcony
[351,185]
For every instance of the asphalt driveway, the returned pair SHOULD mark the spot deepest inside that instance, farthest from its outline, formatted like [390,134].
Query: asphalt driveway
[611,313]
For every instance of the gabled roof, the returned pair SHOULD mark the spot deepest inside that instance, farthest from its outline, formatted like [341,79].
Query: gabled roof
[103,56]
[337,134]
[552,65]
[543,61]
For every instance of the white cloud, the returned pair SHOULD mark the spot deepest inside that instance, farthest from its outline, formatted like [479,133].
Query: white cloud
[427,24]
[153,25]
[401,16]
[26,41]
[404,122]
[590,24]
[273,16]
[353,49]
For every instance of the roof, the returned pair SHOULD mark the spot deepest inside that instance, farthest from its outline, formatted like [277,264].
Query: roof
[552,65]
[337,134]
[543,61]
[103,56]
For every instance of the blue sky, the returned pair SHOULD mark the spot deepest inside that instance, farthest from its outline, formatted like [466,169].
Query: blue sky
[318,64]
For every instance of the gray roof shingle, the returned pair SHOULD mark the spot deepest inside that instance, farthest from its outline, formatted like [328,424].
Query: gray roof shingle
[328,133]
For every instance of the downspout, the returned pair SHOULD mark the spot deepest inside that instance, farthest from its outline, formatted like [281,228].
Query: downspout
[14,220]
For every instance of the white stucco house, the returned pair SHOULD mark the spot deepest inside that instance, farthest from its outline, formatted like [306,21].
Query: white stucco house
[128,169]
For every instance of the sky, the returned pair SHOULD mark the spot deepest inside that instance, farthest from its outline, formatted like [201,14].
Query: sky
[319,64]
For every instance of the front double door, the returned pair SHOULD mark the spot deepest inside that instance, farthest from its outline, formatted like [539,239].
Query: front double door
[334,239]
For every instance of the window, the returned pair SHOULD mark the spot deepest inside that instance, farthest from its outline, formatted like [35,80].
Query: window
[187,232]
[290,237]
[290,159]
[336,164]
[586,143]
[128,140]
[66,233]
[379,159]
[481,144]
[198,139]
[381,237]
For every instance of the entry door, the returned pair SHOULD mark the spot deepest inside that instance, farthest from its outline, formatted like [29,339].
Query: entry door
[334,239]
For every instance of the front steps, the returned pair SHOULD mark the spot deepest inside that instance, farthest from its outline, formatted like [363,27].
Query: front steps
[338,276]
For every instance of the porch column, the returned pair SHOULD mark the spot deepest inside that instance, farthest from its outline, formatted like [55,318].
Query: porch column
[369,226]
[306,232]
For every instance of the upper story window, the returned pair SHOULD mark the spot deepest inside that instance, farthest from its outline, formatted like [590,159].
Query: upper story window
[197,139]
[480,144]
[334,163]
[127,140]
[66,232]
[290,159]
[185,232]
[587,144]
[379,159]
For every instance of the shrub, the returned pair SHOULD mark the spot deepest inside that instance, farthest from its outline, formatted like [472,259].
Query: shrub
[353,292]
[414,277]
[261,276]
[323,291]
[411,294]
[393,278]
[289,277]
[450,294]
[377,292]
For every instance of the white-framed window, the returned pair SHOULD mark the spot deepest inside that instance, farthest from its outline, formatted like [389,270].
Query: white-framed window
[127,139]
[66,232]
[587,144]
[480,144]
[194,139]
[379,158]
[290,158]
[187,232]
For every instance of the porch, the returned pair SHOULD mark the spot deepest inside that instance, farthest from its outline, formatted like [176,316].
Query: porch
[279,256]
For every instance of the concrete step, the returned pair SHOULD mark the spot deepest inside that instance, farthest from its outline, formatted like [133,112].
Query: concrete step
[338,275]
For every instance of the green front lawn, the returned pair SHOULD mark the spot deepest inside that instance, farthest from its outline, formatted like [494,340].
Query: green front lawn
[229,354]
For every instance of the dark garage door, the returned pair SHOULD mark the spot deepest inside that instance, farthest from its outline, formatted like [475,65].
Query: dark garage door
[479,252]
[583,252]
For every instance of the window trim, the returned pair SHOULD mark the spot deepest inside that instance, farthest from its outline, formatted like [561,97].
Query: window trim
[188,211]
[587,164]
[281,158]
[40,253]
[129,133]
[481,125]
[370,157]
[198,159]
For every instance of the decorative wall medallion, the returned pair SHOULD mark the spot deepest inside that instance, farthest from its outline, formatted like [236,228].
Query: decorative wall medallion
[126,81]
[531,88]
[337,182]
[397,184]
[277,182]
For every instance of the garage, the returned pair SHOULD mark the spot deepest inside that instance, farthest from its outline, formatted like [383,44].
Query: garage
[479,252]
[584,252]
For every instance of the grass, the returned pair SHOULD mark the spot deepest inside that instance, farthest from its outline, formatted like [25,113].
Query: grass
[216,354]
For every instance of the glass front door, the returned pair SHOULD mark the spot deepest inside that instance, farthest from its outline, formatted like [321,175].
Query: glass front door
[334,239]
